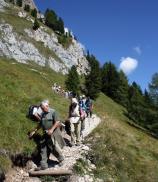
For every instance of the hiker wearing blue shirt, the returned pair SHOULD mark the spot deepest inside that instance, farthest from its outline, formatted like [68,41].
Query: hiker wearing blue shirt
[89,107]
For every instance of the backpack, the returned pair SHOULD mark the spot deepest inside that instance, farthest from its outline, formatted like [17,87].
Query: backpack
[30,114]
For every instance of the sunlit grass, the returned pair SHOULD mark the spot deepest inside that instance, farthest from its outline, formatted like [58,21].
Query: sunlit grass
[122,152]
[21,86]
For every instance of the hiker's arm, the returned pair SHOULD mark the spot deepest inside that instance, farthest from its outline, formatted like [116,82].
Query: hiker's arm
[31,133]
[55,125]
[37,116]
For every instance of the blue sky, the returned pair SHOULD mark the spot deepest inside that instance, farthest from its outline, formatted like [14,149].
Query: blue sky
[123,31]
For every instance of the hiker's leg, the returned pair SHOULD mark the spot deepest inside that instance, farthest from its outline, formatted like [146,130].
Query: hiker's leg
[72,133]
[44,157]
[77,131]
[90,112]
[83,124]
[55,149]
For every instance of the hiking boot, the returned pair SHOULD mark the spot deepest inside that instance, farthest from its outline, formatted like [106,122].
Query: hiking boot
[40,168]
[61,164]
[71,144]
[78,144]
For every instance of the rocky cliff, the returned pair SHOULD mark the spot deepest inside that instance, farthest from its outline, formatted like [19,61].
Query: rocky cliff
[20,42]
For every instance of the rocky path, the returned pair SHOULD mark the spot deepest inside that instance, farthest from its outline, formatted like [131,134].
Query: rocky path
[71,154]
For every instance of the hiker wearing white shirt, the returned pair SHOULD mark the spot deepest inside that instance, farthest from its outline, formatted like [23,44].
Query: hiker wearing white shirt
[75,122]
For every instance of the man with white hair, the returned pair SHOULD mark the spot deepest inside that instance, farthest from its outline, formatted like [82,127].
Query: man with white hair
[53,141]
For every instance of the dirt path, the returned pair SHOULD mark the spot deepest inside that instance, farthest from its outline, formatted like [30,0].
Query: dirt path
[71,154]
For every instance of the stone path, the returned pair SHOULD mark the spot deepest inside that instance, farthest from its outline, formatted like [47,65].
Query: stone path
[71,154]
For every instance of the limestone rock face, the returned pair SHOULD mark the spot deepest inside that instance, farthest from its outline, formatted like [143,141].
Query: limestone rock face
[2,5]
[30,2]
[23,47]
[74,55]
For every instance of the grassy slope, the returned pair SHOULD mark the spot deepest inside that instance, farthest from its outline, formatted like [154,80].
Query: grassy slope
[120,151]
[19,87]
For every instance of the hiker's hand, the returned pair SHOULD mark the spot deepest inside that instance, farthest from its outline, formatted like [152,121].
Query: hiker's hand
[30,134]
[49,132]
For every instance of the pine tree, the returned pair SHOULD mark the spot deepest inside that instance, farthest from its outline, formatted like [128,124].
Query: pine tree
[60,26]
[122,92]
[34,13]
[12,1]
[141,110]
[153,89]
[36,24]
[110,80]
[136,105]
[51,19]
[27,7]
[19,3]
[147,98]
[72,82]
[93,79]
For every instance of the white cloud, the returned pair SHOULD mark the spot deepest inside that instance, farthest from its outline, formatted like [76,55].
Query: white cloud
[128,65]
[138,50]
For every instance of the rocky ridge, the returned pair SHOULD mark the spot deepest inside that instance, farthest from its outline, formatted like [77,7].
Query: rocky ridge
[14,46]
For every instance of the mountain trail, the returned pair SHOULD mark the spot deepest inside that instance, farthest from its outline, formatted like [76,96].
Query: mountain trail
[71,154]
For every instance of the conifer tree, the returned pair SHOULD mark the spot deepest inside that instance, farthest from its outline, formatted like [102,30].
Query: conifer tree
[36,24]
[122,92]
[34,13]
[153,89]
[147,98]
[60,26]
[93,79]
[19,3]
[12,1]
[72,82]
[141,110]
[27,7]
[136,105]
[51,19]
[110,80]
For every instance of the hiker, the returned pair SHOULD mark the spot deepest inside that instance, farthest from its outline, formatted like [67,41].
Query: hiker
[82,106]
[75,122]
[52,139]
[89,107]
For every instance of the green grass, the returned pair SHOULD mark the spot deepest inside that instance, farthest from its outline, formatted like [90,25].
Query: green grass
[20,86]
[80,167]
[120,151]
[11,16]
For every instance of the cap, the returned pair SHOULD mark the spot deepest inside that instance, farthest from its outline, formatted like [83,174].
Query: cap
[74,100]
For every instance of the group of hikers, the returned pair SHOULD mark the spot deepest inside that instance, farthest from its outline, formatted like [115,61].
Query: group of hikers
[59,90]
[48,119]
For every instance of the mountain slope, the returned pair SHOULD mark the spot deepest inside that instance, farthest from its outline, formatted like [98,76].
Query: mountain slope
[119,151]
[23,85]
